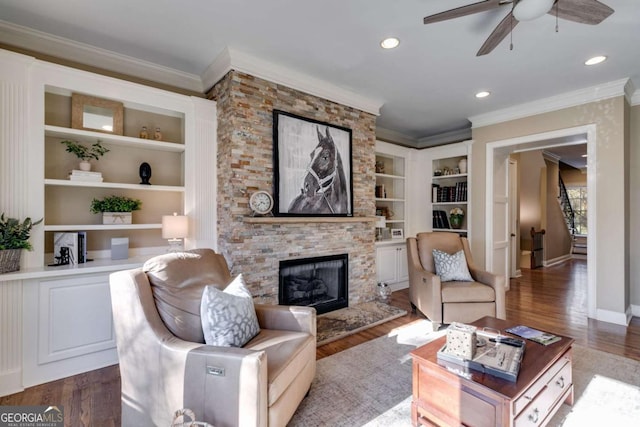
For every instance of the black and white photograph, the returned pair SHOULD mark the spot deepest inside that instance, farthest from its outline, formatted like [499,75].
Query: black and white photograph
[312,167]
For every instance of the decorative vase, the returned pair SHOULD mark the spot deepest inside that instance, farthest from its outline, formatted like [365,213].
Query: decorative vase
[85,165]
[10,260]
[462,165]
[384,291]
[456,221]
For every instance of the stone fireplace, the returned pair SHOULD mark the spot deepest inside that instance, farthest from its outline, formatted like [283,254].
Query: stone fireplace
[319,282]
[256,246]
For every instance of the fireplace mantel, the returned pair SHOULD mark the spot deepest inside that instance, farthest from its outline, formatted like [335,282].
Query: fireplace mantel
[306,219]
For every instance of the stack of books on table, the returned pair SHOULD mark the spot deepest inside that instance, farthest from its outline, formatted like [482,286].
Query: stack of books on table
[78,175]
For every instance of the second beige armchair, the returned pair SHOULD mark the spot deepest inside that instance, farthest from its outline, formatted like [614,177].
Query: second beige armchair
[451,301]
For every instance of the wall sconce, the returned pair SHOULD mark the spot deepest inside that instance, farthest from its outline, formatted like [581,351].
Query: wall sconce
[175,228]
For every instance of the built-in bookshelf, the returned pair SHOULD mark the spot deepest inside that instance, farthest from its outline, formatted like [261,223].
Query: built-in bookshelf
[451,188]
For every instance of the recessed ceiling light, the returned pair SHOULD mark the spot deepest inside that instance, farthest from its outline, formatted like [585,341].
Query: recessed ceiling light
[595,60]
[390,43]
[483,94]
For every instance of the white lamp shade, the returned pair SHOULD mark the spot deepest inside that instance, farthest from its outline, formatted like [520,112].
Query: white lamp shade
[175,226]
[527,10]
[381,222]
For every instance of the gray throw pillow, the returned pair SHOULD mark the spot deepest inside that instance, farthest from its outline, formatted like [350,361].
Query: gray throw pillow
[451,268]
[228,317]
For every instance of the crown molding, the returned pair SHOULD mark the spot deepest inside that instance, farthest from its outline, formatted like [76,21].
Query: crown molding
[30,39]
[394,137]
[232,59]
[554,103]
[444,138]
[553,158]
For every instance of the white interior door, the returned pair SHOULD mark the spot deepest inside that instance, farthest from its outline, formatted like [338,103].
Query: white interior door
[514,222]
[500,230]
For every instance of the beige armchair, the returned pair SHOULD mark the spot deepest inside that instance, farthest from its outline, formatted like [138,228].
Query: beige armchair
[446,302]
[260,384]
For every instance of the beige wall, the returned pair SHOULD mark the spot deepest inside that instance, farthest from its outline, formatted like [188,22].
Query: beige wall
[573,177]
[557,239]
[608,115]
[530,165]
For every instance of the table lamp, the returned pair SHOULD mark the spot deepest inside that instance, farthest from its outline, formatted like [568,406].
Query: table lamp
[381,222]
[175,228]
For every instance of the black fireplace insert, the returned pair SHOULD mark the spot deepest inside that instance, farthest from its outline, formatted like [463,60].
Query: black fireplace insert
[320,282]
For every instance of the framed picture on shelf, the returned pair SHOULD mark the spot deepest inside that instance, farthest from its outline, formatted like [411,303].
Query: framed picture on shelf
[397,233]
[312,167]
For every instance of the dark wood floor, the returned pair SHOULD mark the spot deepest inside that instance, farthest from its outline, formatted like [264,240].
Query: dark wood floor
[552,299]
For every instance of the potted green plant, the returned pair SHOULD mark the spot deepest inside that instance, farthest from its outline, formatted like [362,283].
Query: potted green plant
[85,153]
[456,216]
[115,209]
[14,237]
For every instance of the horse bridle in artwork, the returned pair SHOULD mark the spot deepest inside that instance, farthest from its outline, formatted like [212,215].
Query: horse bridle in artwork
[326,183]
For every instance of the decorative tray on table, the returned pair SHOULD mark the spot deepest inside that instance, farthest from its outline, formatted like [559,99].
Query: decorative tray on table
[495,354]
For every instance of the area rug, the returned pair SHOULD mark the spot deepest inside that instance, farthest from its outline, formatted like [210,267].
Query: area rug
[346,321]
[370,385]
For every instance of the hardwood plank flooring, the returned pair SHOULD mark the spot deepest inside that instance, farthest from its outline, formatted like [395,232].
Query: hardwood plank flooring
[552,299]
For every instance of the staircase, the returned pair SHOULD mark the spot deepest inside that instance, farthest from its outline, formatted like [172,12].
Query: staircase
[578,243]
[565,205]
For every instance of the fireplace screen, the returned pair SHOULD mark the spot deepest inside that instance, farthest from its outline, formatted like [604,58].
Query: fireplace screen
[319,282]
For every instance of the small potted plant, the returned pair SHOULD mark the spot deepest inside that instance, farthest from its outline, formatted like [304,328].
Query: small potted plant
[456,216]
[115,209]
[14,237]
[85,153]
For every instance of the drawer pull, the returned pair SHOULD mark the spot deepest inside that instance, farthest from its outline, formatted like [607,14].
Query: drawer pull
[534,417]
[560,382]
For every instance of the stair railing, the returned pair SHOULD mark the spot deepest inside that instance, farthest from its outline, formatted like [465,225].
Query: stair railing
[565,205]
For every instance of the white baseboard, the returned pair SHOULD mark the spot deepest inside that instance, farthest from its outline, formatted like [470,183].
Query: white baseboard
[398,286]
[555,261]
[11,382]
[614,316]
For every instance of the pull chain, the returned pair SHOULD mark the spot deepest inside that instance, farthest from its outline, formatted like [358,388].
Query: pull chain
[557,1]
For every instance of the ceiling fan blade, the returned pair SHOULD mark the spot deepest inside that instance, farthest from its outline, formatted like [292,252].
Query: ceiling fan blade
[499,33]
[590,12]
[464,11]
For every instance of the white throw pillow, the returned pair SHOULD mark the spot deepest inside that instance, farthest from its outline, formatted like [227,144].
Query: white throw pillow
[451,268]
[228,317]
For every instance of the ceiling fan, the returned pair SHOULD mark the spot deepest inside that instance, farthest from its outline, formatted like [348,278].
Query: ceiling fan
[590,12]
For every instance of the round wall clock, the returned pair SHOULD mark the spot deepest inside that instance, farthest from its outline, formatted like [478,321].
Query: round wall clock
[261,203]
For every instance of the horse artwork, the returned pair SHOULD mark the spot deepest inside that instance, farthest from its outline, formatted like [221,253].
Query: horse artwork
[324,188]
[312,178]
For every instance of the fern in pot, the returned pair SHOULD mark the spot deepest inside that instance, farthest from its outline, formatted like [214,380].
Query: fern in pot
[14,237]
[116,209]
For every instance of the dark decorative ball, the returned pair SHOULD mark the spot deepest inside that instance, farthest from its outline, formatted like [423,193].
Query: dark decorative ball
[145,173]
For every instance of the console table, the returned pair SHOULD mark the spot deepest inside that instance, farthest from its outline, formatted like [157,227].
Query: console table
[446,396]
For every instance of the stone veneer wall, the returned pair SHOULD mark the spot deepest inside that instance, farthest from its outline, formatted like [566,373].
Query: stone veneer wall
[245,164]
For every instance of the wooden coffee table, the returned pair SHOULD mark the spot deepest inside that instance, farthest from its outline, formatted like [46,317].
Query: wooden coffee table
[442,397]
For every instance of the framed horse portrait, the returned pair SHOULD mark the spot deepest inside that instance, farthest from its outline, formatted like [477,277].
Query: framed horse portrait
[312,167]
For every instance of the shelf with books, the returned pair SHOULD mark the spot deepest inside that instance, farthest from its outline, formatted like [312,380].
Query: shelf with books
[449,168]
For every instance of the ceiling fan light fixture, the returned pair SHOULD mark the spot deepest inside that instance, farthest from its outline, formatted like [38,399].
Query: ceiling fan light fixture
[483,94]
[528,10]
[390,43]
[595,60]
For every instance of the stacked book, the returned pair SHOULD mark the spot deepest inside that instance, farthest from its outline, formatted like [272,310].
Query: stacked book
[78,175]
[440,219]
[454,193]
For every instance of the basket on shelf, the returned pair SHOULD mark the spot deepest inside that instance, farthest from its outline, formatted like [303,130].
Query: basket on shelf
[186,418]
[10,260]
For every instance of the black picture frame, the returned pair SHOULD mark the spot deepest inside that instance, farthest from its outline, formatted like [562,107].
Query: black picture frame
[301,145]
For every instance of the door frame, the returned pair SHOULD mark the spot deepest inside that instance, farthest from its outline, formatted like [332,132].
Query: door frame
[540,141]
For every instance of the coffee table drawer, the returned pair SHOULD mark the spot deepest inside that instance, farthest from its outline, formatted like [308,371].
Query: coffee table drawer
[538,409]
[535,388]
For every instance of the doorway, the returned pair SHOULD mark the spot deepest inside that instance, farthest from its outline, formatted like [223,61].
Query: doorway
[498,226]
